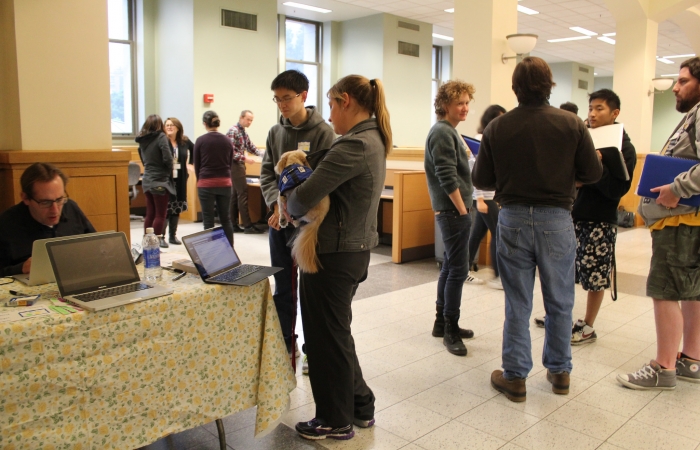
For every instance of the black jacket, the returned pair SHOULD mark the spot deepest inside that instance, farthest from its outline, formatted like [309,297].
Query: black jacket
[157,159]
[185,150]
[19,230]
[598,202]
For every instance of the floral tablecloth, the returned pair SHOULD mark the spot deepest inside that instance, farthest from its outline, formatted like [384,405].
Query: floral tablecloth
[127,376]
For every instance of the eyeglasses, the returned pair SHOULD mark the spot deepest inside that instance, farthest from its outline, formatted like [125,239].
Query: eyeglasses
[285,99]
[46,204]
[170,125]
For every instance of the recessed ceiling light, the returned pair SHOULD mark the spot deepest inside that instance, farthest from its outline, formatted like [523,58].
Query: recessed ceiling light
[583,31]
[595,73]
[670,75]
[310,8]
[609,34]
[664,60]
[442,36]
[689,55]
[450,10]
[528,11]
[575,38]
[607,40]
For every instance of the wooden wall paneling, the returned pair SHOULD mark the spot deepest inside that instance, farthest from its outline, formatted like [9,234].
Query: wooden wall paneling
[413,234]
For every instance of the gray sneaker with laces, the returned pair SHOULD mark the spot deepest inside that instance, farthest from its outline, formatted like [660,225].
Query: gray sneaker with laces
[687,369]
[650,377]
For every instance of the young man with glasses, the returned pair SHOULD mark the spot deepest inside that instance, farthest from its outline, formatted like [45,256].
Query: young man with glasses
[44,212]
[300,128]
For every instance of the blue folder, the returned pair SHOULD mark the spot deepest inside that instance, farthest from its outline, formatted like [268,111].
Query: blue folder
[662,170]
[473,144]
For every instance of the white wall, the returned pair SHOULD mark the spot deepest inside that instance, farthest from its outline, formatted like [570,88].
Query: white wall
[361,50]
[330,61]
[665,119]
[174,63]
[578,95]
[237,66]
[603,83]
[561,72]
[407,81]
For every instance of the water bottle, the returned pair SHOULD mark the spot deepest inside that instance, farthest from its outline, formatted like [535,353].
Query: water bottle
[151,256]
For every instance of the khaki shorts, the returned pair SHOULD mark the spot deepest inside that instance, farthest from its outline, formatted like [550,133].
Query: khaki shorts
[675,264]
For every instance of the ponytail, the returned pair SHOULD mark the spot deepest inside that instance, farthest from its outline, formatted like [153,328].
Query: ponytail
[382,114]
[369,95]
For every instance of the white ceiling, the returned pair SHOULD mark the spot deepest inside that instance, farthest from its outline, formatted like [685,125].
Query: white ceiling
[553,21]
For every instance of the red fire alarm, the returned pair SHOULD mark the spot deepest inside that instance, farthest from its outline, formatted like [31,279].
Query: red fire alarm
[208,98]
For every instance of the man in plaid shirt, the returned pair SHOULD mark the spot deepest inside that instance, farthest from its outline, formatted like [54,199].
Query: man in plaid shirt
[240,141]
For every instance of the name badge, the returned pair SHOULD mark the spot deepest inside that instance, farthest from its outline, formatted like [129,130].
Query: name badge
[304,147]
[176,167]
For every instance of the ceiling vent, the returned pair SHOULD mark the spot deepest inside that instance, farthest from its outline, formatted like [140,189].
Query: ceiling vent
[409,26]
[582,84]
[235,19]
[583,69]
[409,49]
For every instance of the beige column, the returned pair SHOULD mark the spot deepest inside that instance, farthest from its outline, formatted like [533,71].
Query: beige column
[635,65]
[58,55]
[480,31]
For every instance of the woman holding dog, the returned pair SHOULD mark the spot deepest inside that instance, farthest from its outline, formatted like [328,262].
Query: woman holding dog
[352,174]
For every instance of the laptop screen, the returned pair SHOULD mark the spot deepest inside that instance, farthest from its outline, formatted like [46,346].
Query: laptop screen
[211,252]
[92,262]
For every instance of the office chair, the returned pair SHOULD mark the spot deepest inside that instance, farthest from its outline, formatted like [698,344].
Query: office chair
[134,177]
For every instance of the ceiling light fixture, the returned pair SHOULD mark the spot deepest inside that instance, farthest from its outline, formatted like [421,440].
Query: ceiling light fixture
[575,38]
[664,60]
[450,10]
[670,75]
[609,34]
[583,31]
[526,10]
[689,55]
[308,7]
[521,44]
[606,40]
[660,84]
[442,36]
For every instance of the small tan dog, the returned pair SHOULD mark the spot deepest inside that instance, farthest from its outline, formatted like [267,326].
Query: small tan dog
[304,246]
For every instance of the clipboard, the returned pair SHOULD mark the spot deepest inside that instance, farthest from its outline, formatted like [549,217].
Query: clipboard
[608,141]
[662,170]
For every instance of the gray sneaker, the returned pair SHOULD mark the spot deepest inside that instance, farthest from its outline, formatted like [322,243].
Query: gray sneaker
[650,377]
[688,369]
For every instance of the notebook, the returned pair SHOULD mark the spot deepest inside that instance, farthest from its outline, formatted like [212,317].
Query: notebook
[608,141]
[217,262]
[662,170]
[473,144]
[41,271]
[97,272]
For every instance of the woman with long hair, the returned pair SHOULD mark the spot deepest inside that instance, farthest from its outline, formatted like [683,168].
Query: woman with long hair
[157,183]
[212,167]
[352,173]
[182,149]
[486,209]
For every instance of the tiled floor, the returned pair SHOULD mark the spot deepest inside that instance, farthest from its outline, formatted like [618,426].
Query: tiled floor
[429,399]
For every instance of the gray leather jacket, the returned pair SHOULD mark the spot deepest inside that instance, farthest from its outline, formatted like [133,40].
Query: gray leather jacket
[352,172]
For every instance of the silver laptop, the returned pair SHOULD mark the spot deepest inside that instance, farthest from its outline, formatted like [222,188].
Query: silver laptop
[217,262]
[41,271]
[98,272]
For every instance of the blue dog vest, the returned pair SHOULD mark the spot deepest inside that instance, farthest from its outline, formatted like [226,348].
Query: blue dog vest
[292,176]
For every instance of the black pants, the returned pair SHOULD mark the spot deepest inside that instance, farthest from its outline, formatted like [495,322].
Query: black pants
[239,195]
[336,379]
[479,226]
[285,295]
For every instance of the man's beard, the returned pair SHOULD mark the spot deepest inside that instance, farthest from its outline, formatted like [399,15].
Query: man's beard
[685,105]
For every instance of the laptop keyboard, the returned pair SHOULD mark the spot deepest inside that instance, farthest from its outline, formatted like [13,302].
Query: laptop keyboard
[111,292]
[236,273]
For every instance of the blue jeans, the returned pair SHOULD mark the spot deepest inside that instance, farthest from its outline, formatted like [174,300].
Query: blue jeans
[455,267]
[539,237]
[483,222]
[285,295]
[221,198]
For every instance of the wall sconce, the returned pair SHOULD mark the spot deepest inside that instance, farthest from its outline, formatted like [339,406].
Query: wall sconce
[660,84]
[521,44]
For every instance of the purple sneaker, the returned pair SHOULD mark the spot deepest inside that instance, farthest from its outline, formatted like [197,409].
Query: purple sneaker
[315,430]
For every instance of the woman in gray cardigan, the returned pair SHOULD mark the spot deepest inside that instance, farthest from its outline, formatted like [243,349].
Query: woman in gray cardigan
[157,182]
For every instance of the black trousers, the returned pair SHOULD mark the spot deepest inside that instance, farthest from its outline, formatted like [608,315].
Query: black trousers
[239,195]
[336,379]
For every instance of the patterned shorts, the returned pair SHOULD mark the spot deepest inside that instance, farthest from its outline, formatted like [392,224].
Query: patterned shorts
[595,249]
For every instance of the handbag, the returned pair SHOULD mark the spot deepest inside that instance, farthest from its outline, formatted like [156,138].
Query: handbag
[177,207]
[625,219]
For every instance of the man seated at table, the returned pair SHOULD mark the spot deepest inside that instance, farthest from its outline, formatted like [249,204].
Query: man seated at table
[44,212]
